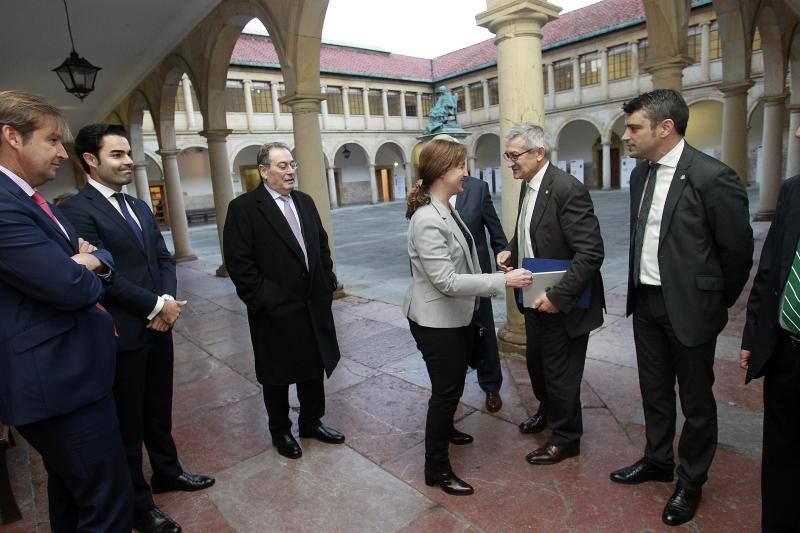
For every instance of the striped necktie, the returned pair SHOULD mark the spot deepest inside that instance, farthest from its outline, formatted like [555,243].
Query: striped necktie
[522,227]
[790,307]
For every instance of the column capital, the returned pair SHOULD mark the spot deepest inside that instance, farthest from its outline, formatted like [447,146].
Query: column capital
[384,90]
[168,153]
[139,166]
[246,81]
[602,49]
[215,135]
[517,18]
[303,101]
[735,88]
[794,108]
[634,43]
[705,24]
[774,99]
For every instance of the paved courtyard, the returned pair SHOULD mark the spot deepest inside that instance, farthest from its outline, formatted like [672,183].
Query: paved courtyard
[378,395]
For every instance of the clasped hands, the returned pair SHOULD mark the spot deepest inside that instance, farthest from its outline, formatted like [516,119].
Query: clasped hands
[519,278]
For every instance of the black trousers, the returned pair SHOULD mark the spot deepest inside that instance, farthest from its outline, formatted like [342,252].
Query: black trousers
[555,366]
[445,352]
[311,394]
[662,359]
[88,485]
[490,374]
[143,394]
[780,463]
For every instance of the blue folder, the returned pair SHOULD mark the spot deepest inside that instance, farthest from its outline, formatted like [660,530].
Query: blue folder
[538,264]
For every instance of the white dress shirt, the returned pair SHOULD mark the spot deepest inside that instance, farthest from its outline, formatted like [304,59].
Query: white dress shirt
[27,189]
[108,193]
[282,205]
[649,273]
[533,190]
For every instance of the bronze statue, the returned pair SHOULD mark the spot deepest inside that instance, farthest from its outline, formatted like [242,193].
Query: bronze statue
[444,112]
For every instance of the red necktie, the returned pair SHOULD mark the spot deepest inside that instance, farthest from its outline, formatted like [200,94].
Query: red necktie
[41,202]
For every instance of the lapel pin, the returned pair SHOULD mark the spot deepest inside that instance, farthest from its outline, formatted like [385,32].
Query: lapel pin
[683,176]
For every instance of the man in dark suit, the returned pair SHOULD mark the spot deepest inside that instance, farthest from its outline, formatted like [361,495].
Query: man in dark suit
[690,255]
[771,348]
[555,220]
[474,204]
[56,343]
[144,309]
[277,255]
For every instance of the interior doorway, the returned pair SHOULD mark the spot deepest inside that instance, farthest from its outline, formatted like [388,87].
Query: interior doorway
[159,205]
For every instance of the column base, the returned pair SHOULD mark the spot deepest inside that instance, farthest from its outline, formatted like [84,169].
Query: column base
[339,292]
[764,216]
[183,258]
[511,341]
[221,272]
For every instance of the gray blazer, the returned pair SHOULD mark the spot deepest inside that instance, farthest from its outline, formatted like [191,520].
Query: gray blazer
[446,275]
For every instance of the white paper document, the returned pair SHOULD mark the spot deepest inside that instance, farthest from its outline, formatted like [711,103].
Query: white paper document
[542,281]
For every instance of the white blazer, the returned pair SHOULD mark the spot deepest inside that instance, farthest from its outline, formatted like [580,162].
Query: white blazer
[446,276]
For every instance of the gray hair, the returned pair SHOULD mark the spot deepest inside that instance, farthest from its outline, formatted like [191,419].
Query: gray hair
[534,136]
[263,153]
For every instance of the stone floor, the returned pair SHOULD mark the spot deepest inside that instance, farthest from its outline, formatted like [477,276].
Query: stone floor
[378,396]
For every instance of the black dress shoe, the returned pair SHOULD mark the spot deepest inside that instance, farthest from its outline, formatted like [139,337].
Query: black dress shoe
[493,401]
[681,506]
[287,446]
[323,433]
[460,438]
[186,482]
[534,424]
[550,454]
[155,521]
[449,483]
[639,472]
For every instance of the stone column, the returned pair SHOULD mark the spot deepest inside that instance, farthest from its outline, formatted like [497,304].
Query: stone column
[667,72]
[471,167]
[385,102]
[373,183]
[332,187]
[308,150]
[793,148]
[409,170]
[576,79]
[551,85]
[734,126]
[634,67]
[606,165]
[324,106]
[604,71]
[276,105]
[188,104]
[346,106]
[221,182]
[142,185]
[177,212]
[365,98]
[420,117]
[467,104]
[248,104]
[485,87]
[403,109]
[771,156]
[705,51]
[554,155]
[517,25]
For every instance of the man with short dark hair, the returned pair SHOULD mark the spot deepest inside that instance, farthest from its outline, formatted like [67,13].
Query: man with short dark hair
[57,346]
[142,302]
[771,348]
[690,256]
[277,255]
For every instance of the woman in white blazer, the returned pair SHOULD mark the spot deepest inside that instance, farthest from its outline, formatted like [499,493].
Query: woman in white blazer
[443,297]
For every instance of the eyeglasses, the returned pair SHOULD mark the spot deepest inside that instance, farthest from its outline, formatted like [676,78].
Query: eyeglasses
[285,165]
[513,156]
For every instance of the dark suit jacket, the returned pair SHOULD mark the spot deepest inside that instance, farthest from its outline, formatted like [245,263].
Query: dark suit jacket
[475,207]
[288,306]
[705,248]
[564,226]
[57,350]
[760,330]
[143,274]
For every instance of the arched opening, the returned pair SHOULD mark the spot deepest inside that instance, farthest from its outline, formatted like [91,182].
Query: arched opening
[487,161]
[195,172]
[155,184]
[622,164]
[245,169]
[579,152]
[390,173]
[704,131]
[352,175]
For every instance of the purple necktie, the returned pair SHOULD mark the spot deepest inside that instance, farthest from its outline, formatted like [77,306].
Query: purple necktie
[123,206]
[288,212]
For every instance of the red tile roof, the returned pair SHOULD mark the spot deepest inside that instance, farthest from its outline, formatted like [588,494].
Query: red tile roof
[582,23]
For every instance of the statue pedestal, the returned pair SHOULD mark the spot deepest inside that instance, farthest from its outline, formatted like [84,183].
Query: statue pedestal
[455,132]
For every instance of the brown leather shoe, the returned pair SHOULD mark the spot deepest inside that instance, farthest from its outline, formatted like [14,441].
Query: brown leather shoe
[550,454]
[493,401]
[534,424]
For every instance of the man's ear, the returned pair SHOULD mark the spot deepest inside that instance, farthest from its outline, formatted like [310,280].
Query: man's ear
[667,126]
[90,159]
[11,136]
